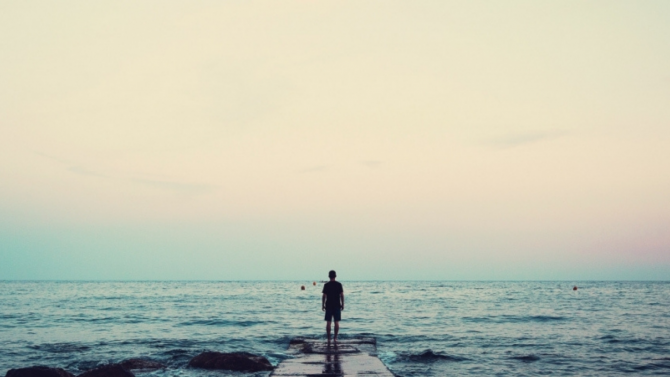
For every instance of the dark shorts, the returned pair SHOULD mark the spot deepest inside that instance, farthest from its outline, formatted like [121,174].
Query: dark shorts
[333,313]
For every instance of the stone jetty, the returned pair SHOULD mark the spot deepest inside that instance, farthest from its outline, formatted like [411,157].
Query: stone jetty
[347,357]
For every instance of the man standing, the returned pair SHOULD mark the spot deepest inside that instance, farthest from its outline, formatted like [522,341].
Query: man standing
[332,302]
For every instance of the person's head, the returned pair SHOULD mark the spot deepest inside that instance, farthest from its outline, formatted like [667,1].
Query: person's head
[332,274]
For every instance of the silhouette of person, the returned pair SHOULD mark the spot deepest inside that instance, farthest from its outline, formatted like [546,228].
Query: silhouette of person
[332,302]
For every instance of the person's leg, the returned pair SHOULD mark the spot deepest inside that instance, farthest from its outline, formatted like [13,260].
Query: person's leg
[337,318]
[328,330]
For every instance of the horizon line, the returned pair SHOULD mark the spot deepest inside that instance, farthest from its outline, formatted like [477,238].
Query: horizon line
[312,280]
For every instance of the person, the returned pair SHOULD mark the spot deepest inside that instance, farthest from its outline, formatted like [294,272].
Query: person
[332,302]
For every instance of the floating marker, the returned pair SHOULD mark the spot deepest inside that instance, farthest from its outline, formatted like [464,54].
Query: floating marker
[302,287]
[574,288]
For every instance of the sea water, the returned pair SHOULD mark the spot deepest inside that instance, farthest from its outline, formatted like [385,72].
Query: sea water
[422,328]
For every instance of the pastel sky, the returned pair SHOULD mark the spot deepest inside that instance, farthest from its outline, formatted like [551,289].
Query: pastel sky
[225,140]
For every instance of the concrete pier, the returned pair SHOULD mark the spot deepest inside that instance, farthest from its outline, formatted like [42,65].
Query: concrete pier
[347,357]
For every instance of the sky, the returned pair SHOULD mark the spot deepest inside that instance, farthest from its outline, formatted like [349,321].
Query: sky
[388,140]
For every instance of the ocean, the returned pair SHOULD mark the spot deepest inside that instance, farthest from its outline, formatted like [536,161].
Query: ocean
[422,328]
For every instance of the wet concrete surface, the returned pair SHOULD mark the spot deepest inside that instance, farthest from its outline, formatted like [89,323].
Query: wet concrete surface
[347,357]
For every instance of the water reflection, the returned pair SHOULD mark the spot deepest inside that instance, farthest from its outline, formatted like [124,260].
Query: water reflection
[333,366]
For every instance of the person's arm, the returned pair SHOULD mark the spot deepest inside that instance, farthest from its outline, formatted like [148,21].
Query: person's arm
[323,302]
[341,300]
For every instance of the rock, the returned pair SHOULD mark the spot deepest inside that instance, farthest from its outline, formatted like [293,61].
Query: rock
[143,364]
[111,370]
[38,371]
[237,361]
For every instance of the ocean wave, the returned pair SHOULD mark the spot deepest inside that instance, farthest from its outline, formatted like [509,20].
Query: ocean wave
[609,339]
[427,356]
[621,332]
[655,365]
[60,347]
[515,319]
[526,358]
[220,323]
[390,338]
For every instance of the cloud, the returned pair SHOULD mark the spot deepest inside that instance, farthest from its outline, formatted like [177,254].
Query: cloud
[86,172]
[53,158]
[187,188]
[74,168]
[518,139]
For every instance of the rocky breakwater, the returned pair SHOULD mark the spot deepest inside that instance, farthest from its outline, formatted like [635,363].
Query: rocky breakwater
[235,361]
[111,370]
[122,369]
[38,371]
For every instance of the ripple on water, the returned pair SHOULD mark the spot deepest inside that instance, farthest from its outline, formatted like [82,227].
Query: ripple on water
[515,319]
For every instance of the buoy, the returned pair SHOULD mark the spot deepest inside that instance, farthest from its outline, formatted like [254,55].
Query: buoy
[314,283]
[574,288]
[302,287]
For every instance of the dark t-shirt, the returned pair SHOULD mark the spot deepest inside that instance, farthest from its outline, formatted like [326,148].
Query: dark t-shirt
[332,289]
